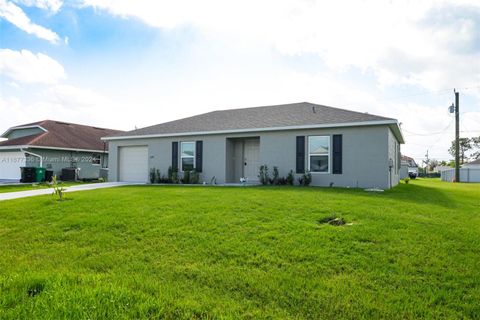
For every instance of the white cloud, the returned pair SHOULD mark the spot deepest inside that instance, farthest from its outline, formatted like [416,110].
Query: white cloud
[27,67]
[403,42]
[71,97]
[59,102]
[50,5]
[15,15]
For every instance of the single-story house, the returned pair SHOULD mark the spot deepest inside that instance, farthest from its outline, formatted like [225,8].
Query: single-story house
[441,168]
[409,168]
[475,164]
[54,145]
[338,147]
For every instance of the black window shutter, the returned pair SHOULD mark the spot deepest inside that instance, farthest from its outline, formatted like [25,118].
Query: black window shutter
[199,156]
[175,155]
[300,154]
[337,154]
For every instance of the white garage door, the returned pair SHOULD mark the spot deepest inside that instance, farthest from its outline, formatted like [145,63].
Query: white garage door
[10,163]
[133,164]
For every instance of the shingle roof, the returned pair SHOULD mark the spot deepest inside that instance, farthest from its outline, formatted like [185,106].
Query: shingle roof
[286,115]
[63,135]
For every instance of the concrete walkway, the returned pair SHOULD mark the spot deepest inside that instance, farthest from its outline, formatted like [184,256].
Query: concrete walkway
[80,187]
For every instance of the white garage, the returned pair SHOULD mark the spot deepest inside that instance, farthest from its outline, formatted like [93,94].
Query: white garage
[10,163]
[133,164]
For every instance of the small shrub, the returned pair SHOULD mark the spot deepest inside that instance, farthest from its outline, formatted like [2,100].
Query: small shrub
[186,177]
[406,180]
[152,175]
[290,178]
[305,179]
[175,178]
[57,189]
[172,175]
[194,177]
[274,179]
[158,176]
[263,175]
[282,181]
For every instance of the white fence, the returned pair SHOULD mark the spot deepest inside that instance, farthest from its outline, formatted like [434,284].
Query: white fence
[466,175]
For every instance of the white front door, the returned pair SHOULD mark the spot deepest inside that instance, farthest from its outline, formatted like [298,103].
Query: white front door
[10,163]
[133,164]
[251,159]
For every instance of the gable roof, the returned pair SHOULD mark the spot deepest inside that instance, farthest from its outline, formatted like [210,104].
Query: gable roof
[61,135]
[267,118]
[410,161]
[406,158]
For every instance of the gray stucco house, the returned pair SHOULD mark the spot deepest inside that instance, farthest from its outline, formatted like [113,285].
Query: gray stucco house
[339,147]
[54,145]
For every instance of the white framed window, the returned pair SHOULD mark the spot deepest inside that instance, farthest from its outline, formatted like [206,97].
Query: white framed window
[187,156]
[96,159]
[319,154]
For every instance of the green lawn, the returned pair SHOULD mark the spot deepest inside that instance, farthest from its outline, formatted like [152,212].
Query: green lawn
[257,252]
[35,186]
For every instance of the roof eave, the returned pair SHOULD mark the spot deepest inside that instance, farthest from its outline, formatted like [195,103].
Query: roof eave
[397,131]
[50,148]
[391,122]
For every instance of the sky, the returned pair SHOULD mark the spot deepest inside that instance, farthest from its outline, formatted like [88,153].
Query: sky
[123,64]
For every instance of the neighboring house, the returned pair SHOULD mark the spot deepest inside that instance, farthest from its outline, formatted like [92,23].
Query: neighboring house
[409,168]
[473,164]
[53,145]
[339,147]
[469,172]
[441,168]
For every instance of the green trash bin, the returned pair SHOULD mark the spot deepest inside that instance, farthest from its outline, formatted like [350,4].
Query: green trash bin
[39,174]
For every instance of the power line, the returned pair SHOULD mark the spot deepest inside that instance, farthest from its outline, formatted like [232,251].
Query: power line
[472,87]
[443,91]
[430,133]
[466,129]
[436,92]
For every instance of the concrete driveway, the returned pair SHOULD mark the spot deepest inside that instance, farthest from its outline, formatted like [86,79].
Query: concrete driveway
[81,187]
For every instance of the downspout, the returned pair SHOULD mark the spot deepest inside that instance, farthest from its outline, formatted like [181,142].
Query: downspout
[103,155]
[34,154]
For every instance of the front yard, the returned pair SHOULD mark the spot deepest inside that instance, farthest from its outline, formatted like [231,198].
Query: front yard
[36,186]
[256,252]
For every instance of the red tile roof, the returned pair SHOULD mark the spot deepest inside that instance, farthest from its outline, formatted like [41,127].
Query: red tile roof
[63,135]
[406,158]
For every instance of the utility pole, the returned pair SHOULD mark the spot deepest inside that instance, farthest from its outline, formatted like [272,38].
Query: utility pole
[427,161]
[457,136]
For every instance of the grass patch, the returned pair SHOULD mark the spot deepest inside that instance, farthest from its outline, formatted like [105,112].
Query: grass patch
[211,252]
[35,186]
